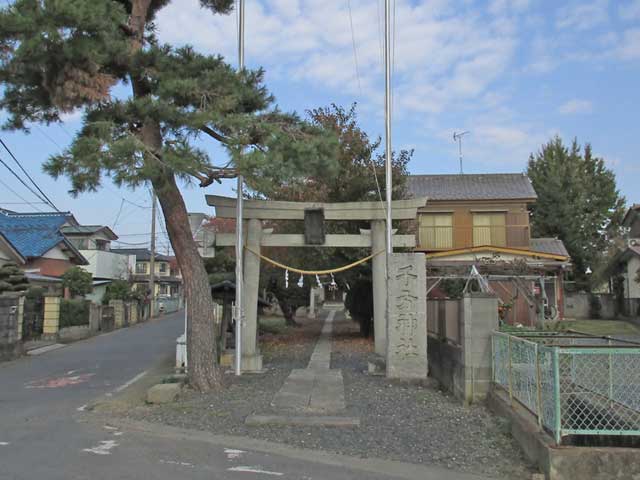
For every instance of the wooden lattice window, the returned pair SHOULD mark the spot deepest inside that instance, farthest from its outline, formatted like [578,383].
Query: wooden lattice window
[436,231]
[489,229]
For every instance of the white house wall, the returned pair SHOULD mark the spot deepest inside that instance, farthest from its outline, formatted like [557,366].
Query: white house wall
[105,264]
[56,253]
[632,288]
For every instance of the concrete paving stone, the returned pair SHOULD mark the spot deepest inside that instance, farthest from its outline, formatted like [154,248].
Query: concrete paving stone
[302,421]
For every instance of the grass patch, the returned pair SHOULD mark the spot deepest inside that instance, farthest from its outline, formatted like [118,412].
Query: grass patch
[599,327]
[273,325]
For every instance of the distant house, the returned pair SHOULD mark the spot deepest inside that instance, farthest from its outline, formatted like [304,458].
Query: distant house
[94,243]
[482,220]
[168,280]
[626,263]
[35,242]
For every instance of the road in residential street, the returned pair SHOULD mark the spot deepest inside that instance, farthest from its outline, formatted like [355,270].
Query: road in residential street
[44,433]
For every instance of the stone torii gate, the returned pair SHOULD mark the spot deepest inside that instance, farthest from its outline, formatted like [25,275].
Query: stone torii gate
[255,211]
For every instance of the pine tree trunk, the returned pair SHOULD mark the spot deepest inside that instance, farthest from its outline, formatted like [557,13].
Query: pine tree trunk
[202,352]
[202,348]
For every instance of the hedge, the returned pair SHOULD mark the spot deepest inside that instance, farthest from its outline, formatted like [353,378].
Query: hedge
[74,313]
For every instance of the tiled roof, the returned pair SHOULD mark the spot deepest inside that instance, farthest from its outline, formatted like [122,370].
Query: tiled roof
[88,230]
[631,215]
[141,254]
[553,246]
[486,186]
[33,234]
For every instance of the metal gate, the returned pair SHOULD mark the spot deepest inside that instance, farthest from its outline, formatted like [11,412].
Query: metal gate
[33,318]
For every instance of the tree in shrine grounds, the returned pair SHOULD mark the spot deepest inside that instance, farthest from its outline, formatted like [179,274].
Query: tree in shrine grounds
[146,105]
[578,202]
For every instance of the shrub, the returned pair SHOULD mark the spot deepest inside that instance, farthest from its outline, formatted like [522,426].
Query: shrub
[78,281]
[12,278]
[118,290]
[359,302]
[74,312]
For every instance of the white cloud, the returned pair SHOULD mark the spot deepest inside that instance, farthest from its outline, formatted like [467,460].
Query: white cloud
[576,106]
[630,11]
[629,46]
[582,15]
[442,55]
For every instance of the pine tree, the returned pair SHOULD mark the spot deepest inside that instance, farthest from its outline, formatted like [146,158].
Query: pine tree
[60,56]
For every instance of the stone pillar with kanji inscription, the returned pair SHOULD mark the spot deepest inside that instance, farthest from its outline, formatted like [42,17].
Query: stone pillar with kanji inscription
[407,326]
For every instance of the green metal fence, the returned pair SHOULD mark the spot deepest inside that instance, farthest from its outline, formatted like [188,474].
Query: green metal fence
[574,384]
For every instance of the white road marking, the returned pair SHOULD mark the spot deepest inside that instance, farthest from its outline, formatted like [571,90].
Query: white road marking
[48,348]
[71,372]
[232,453]
[82,408]
[254,470]
[174,462]
[4,444]
[102,449]
[130,382]
[109,427]
[117,434]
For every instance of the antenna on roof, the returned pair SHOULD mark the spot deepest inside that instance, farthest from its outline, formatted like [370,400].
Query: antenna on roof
[457,137]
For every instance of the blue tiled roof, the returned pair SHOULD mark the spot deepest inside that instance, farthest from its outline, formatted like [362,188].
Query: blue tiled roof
[33,234]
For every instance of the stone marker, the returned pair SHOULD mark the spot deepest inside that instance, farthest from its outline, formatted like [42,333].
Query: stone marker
[164,393]
[407,326]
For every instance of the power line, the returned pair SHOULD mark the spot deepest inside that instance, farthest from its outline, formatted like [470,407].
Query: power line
[21,197]
[115,222]
[27,175]
[22,181]
[353,44]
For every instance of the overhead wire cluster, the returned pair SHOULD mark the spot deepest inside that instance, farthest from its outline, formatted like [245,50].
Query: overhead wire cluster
[29,183]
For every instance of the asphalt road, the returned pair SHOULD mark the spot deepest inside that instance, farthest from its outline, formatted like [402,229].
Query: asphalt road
[45,433]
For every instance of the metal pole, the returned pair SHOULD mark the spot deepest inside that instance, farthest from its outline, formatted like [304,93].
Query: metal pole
[185,337]
[387,115]
[152,258]
[460,153]
[239,215]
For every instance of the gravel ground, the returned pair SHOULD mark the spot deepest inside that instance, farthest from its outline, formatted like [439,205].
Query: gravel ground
[399,421]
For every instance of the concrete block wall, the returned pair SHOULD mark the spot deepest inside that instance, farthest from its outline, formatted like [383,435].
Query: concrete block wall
[118,313]
[466,369]
[51,324]
[480,319]
[10,344]
[132,308]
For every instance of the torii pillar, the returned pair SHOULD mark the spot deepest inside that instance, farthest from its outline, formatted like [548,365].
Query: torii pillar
[379,270]
[251,358]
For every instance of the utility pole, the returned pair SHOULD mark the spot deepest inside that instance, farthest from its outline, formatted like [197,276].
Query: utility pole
[239,214]
[152,258]
[457,137]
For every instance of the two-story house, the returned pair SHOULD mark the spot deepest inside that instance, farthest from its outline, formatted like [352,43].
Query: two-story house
[94,242]
[168,280]
[626,263]
[483,221]
[34,241]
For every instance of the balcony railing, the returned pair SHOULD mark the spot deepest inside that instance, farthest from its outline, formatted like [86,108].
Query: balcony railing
[451,237]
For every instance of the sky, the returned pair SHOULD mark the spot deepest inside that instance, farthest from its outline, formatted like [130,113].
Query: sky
[511,72]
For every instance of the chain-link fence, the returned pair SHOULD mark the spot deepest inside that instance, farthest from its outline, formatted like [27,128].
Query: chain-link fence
[574,384]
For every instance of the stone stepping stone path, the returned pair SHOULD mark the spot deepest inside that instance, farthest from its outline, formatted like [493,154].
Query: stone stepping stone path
[314,395]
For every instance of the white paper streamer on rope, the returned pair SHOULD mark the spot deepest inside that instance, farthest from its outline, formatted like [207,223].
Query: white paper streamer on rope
[286,279]
[318,280]
[301,281]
